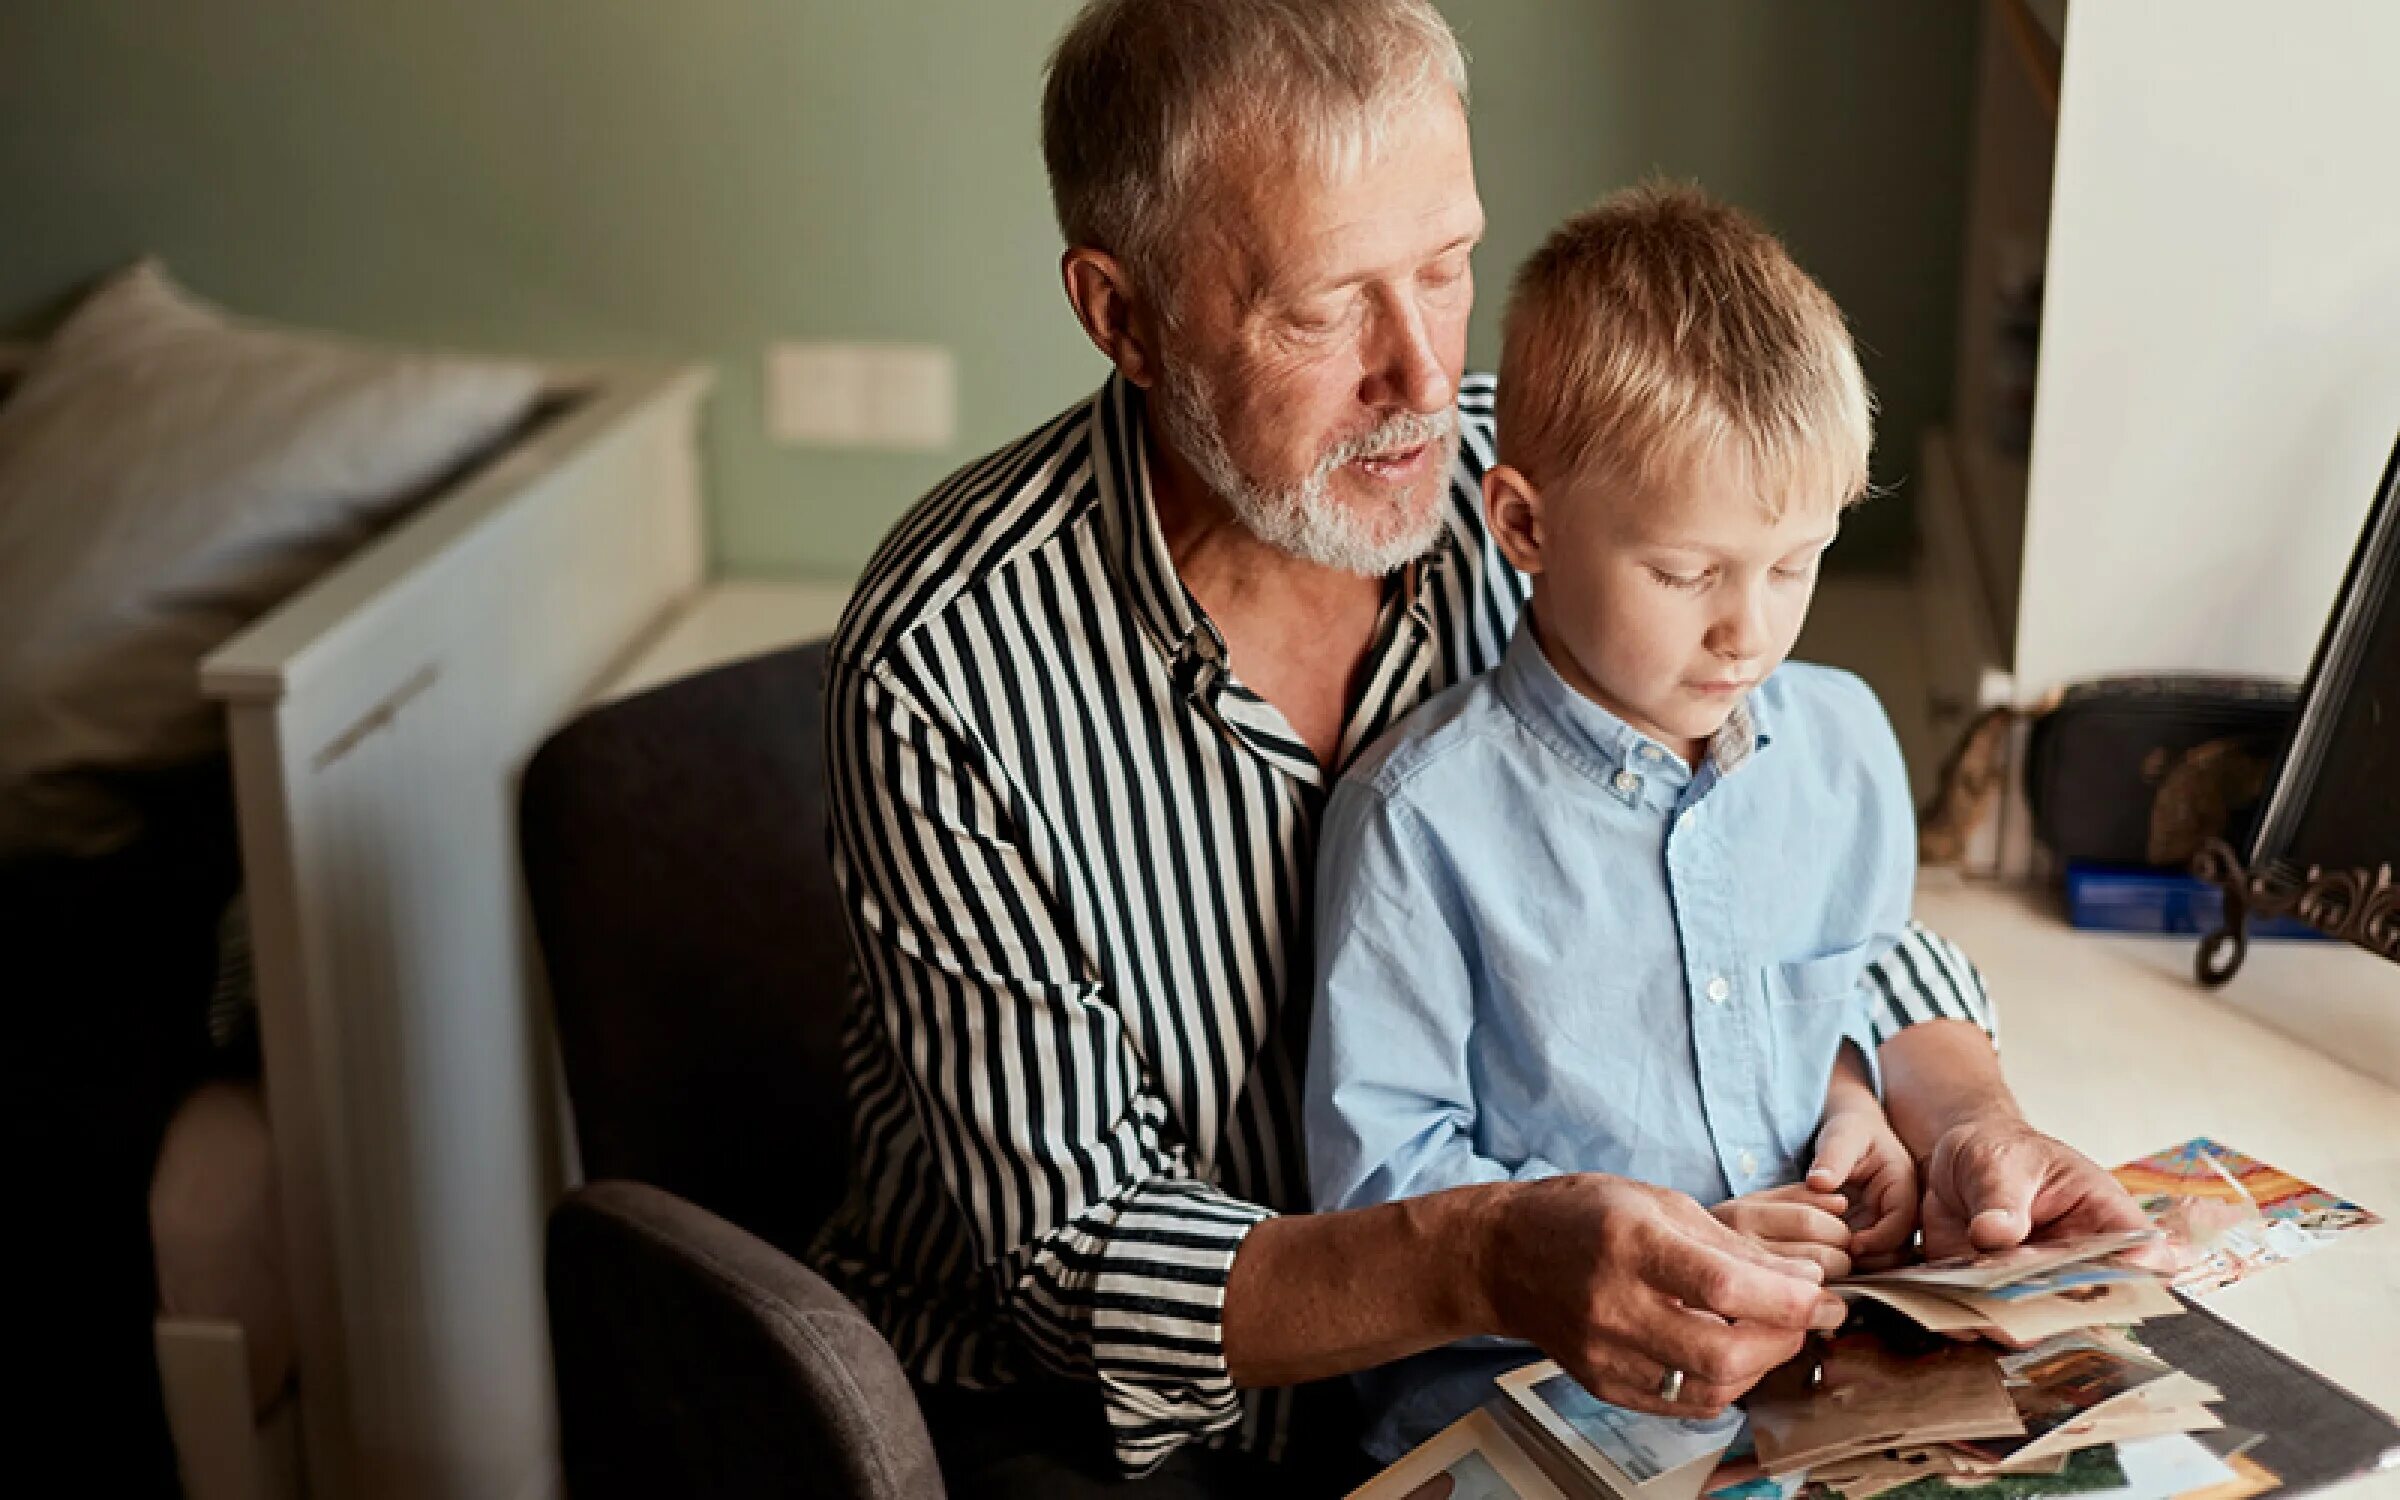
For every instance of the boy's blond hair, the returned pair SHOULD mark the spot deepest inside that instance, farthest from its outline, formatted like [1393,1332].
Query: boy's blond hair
[1662,329]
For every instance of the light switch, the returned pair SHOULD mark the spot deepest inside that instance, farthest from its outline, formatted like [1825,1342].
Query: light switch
[912,396]
[888,396]
[816,394]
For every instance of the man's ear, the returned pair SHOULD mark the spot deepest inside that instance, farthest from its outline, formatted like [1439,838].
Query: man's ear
[1514,508]
[1114,316]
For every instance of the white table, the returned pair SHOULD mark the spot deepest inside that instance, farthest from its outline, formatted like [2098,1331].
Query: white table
[2108,1042]
[726,621]
[2111,1046]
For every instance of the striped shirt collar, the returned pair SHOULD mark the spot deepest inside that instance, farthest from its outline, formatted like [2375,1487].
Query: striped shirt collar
[1135,541]
[1583,731]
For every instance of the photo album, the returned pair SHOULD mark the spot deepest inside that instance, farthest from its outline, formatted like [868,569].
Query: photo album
[2060,1369]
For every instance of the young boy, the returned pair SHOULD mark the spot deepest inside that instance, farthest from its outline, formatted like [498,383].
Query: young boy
[1608,907]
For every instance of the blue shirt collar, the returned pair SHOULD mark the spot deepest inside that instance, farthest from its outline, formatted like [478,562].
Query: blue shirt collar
[1590,735]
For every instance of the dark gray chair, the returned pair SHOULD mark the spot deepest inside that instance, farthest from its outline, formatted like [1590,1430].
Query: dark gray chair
[674,852]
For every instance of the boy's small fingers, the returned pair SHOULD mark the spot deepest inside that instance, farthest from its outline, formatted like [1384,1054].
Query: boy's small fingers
[1887,1233]
[1800,1193]
[1880,1198]
[1839,1146]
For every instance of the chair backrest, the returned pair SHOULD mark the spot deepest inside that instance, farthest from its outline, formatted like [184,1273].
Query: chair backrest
[675,855]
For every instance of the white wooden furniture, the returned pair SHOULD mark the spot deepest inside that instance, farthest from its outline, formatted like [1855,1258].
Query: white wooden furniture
[2220,361]
[379,721]
[2209,193]
[2112,1047]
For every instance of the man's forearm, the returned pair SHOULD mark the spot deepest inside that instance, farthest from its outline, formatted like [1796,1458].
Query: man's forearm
[1317,1295]
[1937,1074]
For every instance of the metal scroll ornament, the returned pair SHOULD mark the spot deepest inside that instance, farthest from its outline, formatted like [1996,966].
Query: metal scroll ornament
[2356,905]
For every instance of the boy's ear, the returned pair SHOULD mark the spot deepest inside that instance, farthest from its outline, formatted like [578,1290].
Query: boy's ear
[1514,508]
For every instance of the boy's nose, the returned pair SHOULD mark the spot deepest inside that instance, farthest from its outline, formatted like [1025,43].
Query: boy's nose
[1741,633]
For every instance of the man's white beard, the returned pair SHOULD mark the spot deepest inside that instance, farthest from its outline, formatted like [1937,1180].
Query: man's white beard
[1303,519]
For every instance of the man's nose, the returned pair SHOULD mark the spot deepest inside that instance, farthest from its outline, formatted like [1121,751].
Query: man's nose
[1403,367]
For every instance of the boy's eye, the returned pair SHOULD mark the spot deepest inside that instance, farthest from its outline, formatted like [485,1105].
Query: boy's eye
[1679,580]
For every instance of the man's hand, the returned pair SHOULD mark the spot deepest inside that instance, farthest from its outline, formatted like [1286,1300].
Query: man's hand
[1860,1157]
[1991,1180]
[1995,1181]
[1621,1282]
[1796,1221]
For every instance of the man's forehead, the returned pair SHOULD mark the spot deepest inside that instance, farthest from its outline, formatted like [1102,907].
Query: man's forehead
[1358,246]
[1290,223]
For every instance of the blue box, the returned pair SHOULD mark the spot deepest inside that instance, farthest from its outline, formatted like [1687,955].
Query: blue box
[2131,898]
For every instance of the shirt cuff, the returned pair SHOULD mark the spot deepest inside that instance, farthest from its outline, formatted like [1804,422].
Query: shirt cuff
[1158,1302]
[1925,977]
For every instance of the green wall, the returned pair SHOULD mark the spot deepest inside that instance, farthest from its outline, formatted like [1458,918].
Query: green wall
[697,179]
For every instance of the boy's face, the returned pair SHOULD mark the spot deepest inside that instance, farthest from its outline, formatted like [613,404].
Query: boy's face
[1666,608]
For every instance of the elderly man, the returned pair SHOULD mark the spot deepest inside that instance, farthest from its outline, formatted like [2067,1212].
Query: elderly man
[1083,717]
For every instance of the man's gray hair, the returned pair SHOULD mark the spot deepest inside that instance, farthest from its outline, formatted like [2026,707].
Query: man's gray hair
[1144,96]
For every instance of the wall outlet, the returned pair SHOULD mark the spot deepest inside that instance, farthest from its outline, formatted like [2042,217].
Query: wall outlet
[884,396]
[816,395]
[912,396]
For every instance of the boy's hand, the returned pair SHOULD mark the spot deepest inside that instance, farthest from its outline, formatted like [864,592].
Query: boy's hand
[1860,1157]
[1795,1220]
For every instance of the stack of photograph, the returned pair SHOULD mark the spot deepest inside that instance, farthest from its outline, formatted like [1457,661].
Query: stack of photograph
[2081,1367]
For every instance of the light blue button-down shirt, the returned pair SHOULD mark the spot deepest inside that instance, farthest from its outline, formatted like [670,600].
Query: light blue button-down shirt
[1545,944]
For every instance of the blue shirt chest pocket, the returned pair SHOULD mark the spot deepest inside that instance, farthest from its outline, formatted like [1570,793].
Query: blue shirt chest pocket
[1828,978]
[1812,1006]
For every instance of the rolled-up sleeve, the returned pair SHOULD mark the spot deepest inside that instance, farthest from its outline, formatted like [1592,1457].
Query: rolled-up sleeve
[1080,1199]
[1923,976]
[1927,977]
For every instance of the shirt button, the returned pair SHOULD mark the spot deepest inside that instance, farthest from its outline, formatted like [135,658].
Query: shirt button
[1650,752]
[1719,990]
[1749,1166]
[1627,782]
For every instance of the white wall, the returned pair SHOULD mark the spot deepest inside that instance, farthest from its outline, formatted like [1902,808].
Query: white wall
[2220,363]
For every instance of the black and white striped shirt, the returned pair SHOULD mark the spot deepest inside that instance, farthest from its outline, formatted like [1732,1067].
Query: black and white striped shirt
[1076,855]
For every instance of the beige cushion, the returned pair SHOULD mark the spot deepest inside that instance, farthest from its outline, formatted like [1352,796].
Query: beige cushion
[167,475]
